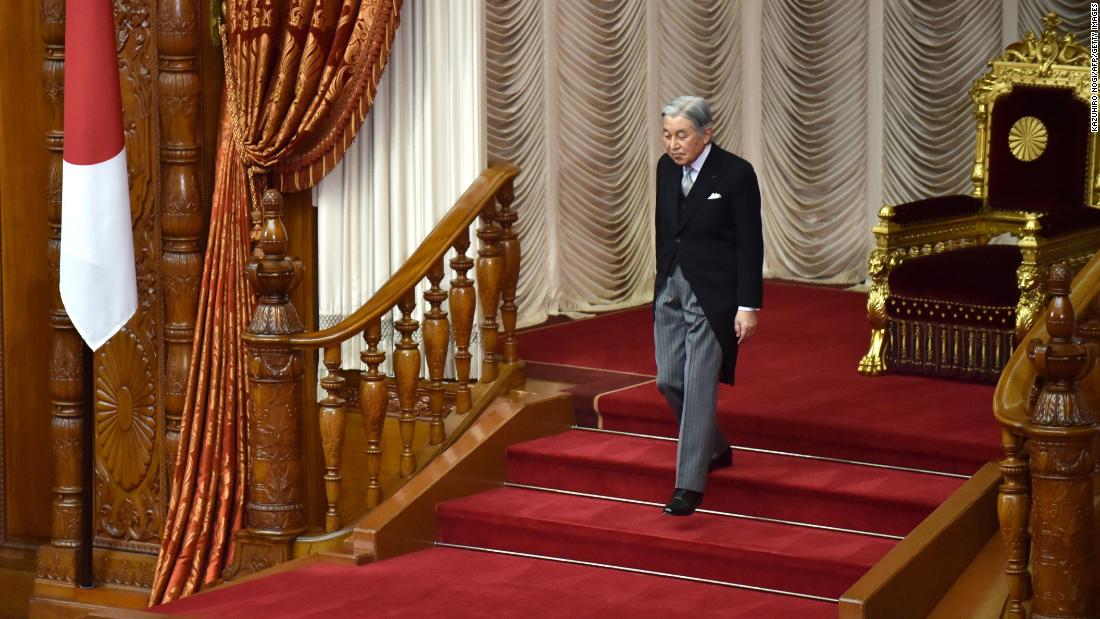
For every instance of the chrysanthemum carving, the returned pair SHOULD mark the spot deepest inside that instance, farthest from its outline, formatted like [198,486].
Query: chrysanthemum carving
[1027,139]
[125,410]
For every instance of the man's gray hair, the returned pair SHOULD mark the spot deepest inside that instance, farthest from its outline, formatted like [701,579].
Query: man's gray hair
[694,108]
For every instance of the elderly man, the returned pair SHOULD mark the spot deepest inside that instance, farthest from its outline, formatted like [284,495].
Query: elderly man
[710,254]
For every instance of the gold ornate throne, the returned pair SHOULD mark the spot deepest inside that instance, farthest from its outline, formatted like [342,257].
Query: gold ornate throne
[943,300]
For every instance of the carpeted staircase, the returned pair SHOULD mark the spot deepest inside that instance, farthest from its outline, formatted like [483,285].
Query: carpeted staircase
[830,471]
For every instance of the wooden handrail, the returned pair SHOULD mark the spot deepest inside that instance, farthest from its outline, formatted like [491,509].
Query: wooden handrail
[277,344]
[1011,398]
[480,193]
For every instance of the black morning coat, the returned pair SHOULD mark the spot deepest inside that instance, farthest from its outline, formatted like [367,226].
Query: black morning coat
[715,235]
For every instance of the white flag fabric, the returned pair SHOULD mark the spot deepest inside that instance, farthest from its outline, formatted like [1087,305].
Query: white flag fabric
[98,281]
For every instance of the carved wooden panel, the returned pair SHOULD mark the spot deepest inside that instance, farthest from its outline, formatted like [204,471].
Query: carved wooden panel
[129,430]
[129,497]
[139,377]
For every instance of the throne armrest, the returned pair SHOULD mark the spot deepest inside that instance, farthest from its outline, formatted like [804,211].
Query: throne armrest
[940,207]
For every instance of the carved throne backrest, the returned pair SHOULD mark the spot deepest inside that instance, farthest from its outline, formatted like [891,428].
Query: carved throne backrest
[1035,152]
[1038,150]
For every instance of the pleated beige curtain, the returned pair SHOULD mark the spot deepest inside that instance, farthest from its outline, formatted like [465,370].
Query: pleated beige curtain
[1075,16]
[841,105]
[572,91]
[421,147]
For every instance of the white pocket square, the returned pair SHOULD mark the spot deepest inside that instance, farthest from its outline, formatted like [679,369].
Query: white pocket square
[714,196]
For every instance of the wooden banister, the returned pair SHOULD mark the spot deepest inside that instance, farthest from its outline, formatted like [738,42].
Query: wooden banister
[1045,403]
[416,396]
[454,224]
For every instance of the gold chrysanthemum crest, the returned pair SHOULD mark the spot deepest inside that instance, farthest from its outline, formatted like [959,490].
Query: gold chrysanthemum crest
[1027,139]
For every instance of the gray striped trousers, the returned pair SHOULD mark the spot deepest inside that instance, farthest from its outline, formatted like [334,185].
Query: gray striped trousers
[689,358]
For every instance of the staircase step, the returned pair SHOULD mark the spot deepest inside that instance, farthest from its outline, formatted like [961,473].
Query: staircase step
[834,494]
[446,582]
[931,431]
[761,554]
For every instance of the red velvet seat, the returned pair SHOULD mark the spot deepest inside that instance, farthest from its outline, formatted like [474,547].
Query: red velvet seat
[961,302]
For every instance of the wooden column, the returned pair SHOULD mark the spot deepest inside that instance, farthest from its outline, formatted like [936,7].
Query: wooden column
[181,191]
[66,378]
[276,511]
[1061,433]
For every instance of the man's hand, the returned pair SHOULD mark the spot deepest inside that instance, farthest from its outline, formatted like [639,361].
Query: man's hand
[744,325]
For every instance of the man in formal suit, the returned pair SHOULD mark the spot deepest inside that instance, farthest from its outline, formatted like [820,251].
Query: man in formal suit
[710,254]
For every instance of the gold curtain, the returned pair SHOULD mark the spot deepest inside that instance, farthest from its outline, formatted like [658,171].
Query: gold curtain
[300,78]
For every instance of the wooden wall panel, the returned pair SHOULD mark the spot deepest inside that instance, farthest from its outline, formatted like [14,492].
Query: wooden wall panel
[171,83]
[28,467]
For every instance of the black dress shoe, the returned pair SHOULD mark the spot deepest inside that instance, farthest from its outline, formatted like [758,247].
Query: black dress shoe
[683,502]
[722,460]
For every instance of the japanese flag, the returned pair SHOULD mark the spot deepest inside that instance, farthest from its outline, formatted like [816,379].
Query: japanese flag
[98,280]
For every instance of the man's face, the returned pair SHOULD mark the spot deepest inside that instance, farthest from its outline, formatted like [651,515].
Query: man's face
[683,142]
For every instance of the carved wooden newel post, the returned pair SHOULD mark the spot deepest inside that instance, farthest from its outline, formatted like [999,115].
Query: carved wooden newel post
[1088,330]
[1061,433]
[276,510]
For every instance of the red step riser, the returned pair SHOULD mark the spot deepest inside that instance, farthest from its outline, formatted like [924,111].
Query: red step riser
[964,461]
[703,546]
[784,573]
[725,496]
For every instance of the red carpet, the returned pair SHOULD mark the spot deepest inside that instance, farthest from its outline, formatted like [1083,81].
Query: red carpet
[760,554]
[797,388]
[767,485]
[443,582]
[793,523]
[619,341]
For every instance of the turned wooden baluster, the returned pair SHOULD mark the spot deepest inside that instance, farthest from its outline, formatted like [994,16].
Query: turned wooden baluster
[372,402]
[460,299]
[436,338]
[332,419]
[1061,432]
[490,269]
[1013,505]
[509,243]
[406,367]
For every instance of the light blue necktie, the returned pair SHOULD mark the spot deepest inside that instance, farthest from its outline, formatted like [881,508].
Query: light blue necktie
[687,181]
